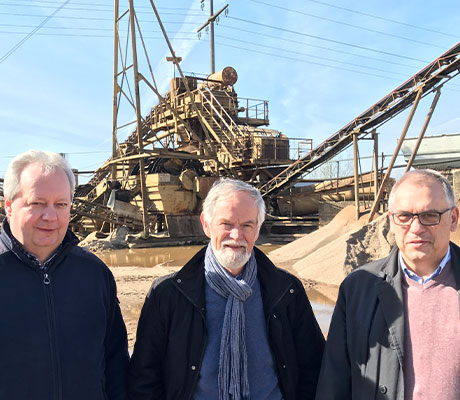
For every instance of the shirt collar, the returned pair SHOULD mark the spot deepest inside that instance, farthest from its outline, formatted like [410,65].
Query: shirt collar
[31,257]
[412,275]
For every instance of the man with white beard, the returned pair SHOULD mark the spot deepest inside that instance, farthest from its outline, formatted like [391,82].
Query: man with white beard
[229,325]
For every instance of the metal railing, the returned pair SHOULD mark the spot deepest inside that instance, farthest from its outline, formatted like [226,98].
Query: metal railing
[254,109]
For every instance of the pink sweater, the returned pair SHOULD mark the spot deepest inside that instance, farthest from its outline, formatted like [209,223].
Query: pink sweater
[432,338]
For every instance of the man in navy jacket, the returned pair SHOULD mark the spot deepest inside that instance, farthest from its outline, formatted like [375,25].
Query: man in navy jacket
[62,336]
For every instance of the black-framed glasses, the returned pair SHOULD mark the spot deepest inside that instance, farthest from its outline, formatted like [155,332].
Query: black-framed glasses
[426,218]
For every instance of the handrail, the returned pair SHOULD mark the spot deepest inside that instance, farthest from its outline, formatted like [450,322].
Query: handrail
[235,131]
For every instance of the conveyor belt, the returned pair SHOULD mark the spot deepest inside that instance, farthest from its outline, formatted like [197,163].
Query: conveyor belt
[428,79]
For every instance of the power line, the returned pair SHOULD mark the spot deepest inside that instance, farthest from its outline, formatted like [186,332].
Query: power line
[92,5]
[28,36]
[383,18]
[242,48]
[87,18]
[347,24]
[222,25]
[325,39]
[305,61]
[256,44]
[99,5]
[316,46]
[87,35]
[246,21]
[321,64]
[221,36]
[40,6]
[100,10]
[317,57]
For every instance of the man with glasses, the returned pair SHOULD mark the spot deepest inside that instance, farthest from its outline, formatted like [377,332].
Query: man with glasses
[395,331]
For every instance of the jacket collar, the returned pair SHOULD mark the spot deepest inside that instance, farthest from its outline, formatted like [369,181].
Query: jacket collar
[191,282]
[10,243]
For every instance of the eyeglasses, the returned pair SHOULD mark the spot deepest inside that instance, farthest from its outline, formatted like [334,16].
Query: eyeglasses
[426,218]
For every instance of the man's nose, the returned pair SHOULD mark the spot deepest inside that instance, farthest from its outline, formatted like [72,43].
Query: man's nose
[49,213]
[415,225]
[236,233]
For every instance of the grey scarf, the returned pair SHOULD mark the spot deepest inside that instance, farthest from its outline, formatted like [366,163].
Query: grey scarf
[233,360]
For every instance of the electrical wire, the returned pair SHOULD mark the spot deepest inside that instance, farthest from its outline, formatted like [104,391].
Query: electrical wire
[316,57]
[316,46]
[305,61]
[324,39]
[347,24]
[98,5]
[29,35]
[383,18]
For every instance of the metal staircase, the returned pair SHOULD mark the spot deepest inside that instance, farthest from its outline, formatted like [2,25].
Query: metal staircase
[232,139]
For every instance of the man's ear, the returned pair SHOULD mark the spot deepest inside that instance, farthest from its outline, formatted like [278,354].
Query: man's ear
[8,207]
[390,220]
[205,225]
[454,219]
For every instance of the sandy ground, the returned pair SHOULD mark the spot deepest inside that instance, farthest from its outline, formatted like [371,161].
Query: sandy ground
[133,284]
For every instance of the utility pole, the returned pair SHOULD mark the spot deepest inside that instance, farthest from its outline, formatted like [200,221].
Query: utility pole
[140,145]
[210,23]
[116,90]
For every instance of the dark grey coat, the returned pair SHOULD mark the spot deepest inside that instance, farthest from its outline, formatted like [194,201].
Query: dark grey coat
[364,353]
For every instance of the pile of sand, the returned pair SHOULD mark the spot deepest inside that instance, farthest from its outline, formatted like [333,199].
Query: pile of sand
[327,255]
[344,222]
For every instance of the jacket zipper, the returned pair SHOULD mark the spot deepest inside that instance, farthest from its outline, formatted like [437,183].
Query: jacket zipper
[275,304]
[275,357]
[192,391]
[52,335]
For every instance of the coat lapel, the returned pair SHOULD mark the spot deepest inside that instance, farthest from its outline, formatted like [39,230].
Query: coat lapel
[389,291]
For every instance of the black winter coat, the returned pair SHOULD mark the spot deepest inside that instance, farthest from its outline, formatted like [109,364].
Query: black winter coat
[171,335]
[62,336]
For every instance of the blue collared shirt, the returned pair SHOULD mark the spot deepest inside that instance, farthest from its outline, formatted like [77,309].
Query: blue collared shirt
[412,275]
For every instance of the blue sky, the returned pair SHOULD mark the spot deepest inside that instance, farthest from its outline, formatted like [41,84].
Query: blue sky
[318,63]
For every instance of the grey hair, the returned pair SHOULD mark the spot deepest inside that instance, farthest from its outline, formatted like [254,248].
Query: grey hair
[50,162]
[225,186]
[424,174]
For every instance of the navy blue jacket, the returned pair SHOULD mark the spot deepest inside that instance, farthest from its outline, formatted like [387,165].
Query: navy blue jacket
[62,336]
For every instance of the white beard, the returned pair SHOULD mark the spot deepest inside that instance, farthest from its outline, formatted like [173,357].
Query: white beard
[230,258]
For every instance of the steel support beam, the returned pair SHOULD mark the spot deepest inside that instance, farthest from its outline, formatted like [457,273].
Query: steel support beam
[422,132]
[375,137]
[356,173]
[395,155]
